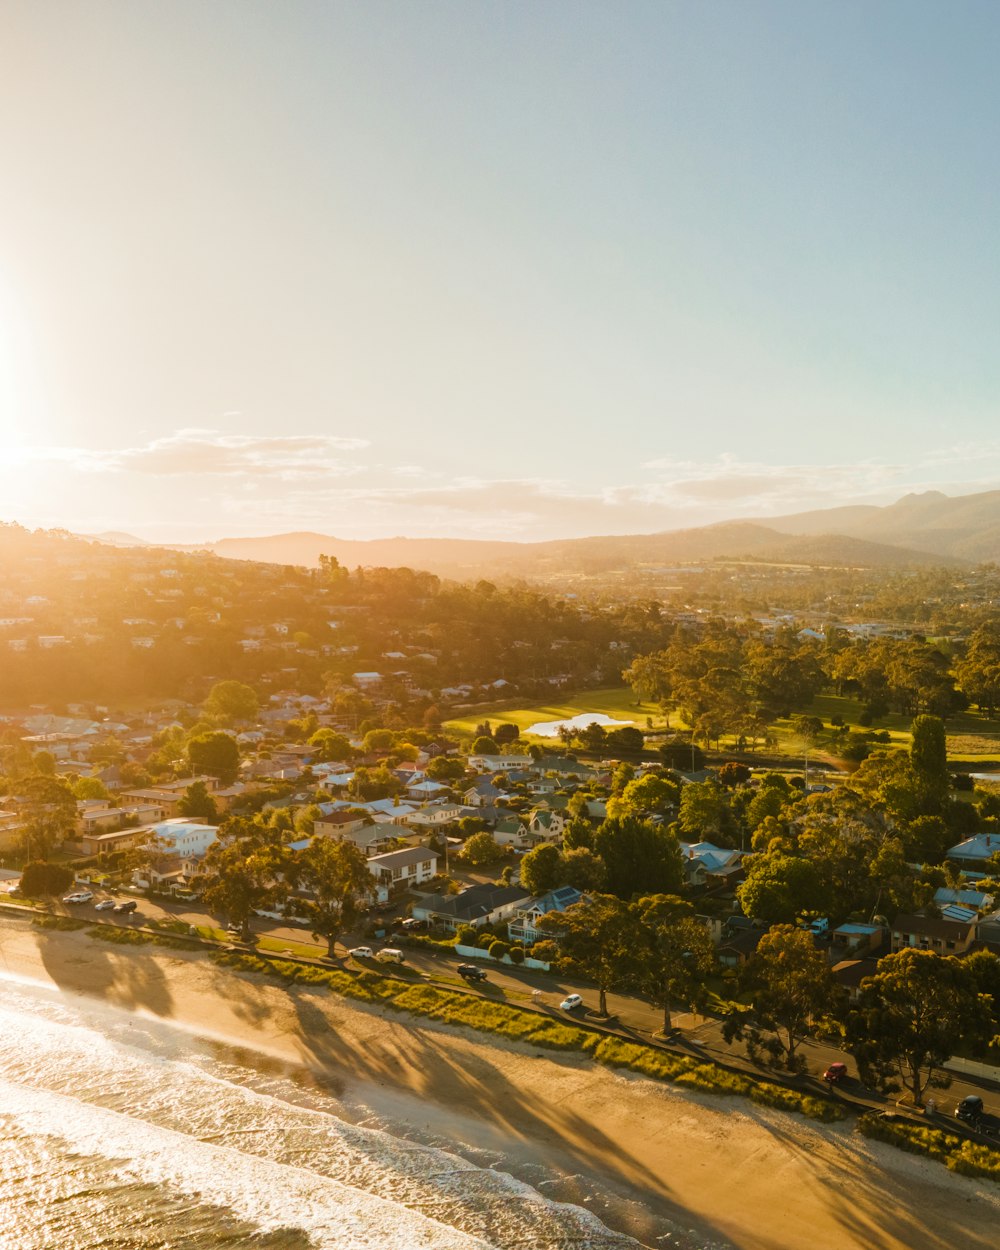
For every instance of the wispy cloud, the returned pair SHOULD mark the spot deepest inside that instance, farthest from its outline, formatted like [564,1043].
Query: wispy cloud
[201,452]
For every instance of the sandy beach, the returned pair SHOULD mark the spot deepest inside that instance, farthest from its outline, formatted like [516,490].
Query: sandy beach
[725,1171]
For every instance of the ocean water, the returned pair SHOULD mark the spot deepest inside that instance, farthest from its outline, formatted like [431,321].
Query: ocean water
[123,1133]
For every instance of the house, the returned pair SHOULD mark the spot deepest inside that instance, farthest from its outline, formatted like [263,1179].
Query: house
[482,793]
[183,837]
[366,680]
[398,870]
[975,851]
[546,824]
[850,973]
[853,941]
[928,933]
[524,927]
[440,813]
[706,864]
[373,839]
[975,899]
[101,842]
[988,929]
[500,763]
[478,905]
[339,824]
[511,832]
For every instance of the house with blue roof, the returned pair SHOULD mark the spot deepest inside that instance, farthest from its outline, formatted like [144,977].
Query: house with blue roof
[524,926]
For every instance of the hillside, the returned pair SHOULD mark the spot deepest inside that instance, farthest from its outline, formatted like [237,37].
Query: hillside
[470,559]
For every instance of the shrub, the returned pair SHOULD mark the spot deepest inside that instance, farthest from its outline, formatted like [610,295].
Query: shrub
[64,923]
[499,949]
[121,937]
[466,935]
[517,954]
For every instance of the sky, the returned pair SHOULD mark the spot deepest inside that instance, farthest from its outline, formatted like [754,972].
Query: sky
[493,269]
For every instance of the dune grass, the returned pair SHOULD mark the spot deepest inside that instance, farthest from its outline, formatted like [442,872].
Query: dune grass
[958,1154]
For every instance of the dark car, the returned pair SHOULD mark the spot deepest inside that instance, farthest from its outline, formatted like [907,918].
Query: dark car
[469,972]
[126,908]
[835,1073]
[970,1109]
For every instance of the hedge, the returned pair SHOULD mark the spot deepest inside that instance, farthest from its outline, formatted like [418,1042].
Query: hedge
[958,1154]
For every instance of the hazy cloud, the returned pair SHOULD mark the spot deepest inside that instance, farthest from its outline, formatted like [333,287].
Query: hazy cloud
[208,451]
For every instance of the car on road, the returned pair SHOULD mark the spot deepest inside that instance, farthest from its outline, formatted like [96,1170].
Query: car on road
[105,904]
[571,1002]
[970,1109]
[126,908]
[469,972]
[390,955]
[78,896]
[835,1073]
[361,952]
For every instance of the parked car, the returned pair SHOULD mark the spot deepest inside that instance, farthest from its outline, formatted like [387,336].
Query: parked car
[571,1002]
[78,896]
[414,926]
[390,955]
[835,1073]
[362,952]
[126,908]
[106,904]
[470,972]
[970,1109]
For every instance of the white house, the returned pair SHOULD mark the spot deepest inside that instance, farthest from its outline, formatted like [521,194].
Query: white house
[398,870]
[500,763]
[185,837]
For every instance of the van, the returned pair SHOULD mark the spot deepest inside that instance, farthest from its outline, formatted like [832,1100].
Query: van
[390,955]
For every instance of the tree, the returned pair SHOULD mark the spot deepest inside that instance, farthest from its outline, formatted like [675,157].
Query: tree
[328,745]
[337,875]
[243,871]
[979,672]
[597,938]
[481,850]
[583,870]
[446,768]
[779,888]
[198,804]
[676,953]
[39,878]
[231,701]
[628,739]
[929,761]
[541,869]
[484,746]
[48,812]
[639,857]
[911,1016]
[647,794]
[215,753]
[506,733]
[733,774]
[705,813]
[682,755]
[792,985]
[378,740]
[90,788]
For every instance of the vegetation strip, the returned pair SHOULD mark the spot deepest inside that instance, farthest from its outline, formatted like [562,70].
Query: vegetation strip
[958,1154]
[519,1025]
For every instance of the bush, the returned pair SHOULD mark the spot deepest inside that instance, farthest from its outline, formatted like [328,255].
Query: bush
[499,949]
[517,954]
[466,935]
[64,923]
[40,878]
[121,937]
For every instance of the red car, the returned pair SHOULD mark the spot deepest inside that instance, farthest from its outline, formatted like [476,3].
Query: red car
[835,1073]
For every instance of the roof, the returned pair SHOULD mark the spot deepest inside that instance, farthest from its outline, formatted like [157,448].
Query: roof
[930,926]
[405,858]
[979,846]
[479,900]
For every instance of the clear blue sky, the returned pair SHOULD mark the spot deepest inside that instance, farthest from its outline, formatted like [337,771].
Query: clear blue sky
[509,269]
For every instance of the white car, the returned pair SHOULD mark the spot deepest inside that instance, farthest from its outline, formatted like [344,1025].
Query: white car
[81,896]
[571,1002]
[362,952]
[105,904]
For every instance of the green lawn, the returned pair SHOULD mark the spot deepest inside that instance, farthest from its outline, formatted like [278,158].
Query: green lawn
[618,702]
[972,737]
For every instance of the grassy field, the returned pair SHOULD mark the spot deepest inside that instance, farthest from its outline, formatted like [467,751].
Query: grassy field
[972,737]
[618,702]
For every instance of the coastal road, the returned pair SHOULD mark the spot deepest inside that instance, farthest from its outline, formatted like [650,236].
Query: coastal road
[700,1035]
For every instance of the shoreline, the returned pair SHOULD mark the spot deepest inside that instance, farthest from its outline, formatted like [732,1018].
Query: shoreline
[650,1156]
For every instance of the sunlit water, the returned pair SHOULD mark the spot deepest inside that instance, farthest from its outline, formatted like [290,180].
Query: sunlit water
[122,1133]
[550,728]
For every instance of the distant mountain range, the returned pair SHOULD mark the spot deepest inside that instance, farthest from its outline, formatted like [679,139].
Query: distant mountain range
[918,530]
